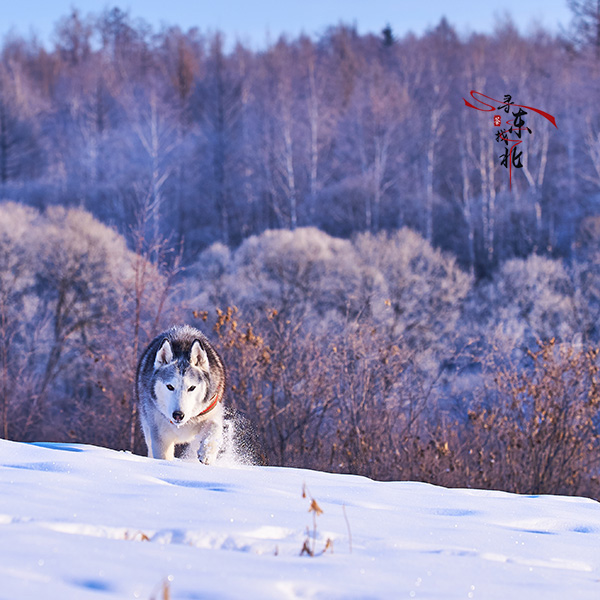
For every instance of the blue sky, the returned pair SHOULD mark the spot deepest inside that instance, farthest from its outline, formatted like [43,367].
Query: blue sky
[257,21]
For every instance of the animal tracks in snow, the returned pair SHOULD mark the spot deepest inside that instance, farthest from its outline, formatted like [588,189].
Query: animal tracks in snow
[259,541]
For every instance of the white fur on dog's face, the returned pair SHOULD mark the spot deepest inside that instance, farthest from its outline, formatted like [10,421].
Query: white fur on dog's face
[180,386]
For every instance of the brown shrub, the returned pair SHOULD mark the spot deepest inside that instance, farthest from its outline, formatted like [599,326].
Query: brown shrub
[356,403]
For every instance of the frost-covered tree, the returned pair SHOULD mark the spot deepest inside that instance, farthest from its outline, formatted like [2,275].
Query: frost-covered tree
[21,154]
[585,25]
[304,274]
[396,281]
[81,273]
[531,300]
[75,306]
[17,302]
[424,288]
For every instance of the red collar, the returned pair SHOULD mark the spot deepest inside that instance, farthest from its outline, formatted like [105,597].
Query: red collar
[211,406]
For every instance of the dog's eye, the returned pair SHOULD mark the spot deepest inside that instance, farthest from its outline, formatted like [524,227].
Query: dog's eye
[191,388]
[170,387]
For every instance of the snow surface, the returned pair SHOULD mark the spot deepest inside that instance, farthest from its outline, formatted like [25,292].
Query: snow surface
[83,522]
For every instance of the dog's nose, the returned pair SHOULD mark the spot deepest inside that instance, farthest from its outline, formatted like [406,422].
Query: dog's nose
[178,416]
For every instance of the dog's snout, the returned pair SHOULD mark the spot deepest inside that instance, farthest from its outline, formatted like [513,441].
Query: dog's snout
[178,416]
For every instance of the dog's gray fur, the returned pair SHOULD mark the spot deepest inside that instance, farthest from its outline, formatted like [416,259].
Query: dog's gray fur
[179,376]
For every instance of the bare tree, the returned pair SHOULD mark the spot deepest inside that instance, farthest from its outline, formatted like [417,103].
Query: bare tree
[585,26]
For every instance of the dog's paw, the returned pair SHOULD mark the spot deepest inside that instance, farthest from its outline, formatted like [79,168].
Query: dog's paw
[208,451]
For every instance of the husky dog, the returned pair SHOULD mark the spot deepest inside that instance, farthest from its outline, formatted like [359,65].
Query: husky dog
[179,388]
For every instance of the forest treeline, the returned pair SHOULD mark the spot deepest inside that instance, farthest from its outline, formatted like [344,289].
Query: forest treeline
[345,132]
[334,218]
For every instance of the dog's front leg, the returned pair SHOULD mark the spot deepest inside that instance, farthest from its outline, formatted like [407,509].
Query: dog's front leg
[158,445]
[161,448]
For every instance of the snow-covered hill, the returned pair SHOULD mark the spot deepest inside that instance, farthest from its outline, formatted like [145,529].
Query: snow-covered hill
[79,522]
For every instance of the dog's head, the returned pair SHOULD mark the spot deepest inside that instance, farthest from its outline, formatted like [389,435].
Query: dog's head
[181,383]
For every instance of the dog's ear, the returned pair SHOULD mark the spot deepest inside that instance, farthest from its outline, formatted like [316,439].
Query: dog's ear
[164,356]
[198,357]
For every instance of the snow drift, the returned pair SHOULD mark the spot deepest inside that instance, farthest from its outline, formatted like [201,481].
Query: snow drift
[83,522]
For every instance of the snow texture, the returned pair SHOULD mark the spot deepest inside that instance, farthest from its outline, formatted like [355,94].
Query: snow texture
[80,522]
